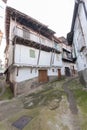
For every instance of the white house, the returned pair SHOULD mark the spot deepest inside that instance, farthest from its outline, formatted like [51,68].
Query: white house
[68,61]
[78,36]
[33,53]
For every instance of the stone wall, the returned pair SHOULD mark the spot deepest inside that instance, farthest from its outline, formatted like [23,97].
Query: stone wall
[83,77]
[24,87]
[28,85]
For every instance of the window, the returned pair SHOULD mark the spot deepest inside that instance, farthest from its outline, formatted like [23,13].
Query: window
[32,53]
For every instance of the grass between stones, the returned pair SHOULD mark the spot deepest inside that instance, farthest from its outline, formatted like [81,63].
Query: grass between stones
[7,94]
[80,94]
[49,108]
[49,93]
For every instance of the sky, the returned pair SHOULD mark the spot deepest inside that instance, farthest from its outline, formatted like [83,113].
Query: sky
[56,14]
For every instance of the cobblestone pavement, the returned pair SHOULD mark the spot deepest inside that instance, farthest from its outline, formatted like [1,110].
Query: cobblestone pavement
[10,107]
[72,103]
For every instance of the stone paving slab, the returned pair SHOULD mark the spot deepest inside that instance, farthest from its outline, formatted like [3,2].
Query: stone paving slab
[22,122]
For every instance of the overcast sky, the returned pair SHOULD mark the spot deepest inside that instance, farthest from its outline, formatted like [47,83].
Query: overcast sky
[57,14]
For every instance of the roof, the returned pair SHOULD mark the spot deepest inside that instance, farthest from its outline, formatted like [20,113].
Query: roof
[26,21]
[56,39]
[63,40]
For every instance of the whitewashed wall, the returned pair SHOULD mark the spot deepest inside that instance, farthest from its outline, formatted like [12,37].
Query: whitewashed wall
[51,73]
[22,56]
[57,60]
[80,37]
[25,74]
[69,65]
[45,58]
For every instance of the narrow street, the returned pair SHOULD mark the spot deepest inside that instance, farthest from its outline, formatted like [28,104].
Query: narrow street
[72,104]
[50,108]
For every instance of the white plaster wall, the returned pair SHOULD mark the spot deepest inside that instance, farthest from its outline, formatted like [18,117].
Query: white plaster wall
[22,56]
[83,21]
[57,60]
[81,62]
[25,74]
[80,38]
[51,73]
[45,58]
[67,64]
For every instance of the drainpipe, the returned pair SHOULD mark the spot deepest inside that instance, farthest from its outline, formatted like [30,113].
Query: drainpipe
[51,58]
[40,47]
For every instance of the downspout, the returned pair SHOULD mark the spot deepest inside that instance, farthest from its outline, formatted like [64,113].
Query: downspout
[53,56]
[40,47]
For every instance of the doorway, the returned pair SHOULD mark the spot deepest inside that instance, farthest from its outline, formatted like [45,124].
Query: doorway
[43,77]
[67,71]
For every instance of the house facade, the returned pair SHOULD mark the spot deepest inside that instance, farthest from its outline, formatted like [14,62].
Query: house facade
[78,37]
[68,62]
[32,51]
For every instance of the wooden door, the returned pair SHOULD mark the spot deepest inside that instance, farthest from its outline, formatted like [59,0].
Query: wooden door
[59,73]
[43,77]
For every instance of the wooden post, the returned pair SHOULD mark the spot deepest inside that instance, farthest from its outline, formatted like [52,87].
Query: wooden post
[59,73]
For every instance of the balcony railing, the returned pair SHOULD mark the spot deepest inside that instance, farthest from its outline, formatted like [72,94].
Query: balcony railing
[67,56]
[67,48]
[28,35]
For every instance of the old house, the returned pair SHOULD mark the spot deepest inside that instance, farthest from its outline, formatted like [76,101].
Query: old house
[33,53]
[78,37]
[68,64]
